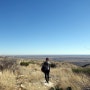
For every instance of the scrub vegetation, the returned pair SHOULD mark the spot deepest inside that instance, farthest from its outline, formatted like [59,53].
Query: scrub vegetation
[22,74]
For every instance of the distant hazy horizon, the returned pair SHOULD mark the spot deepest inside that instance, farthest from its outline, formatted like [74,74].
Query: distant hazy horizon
[75,59]
[52,56]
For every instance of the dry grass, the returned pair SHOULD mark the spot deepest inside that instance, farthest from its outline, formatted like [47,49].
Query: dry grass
[65,77]
[7,80]
[31,77]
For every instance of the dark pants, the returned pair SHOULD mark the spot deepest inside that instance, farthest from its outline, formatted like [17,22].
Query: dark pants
[47,75]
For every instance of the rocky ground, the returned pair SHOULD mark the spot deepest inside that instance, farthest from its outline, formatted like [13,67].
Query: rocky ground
[30,77]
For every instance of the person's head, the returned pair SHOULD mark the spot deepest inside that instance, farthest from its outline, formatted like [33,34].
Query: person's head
[47,59]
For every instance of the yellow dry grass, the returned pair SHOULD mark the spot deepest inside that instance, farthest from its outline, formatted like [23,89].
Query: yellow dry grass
[31,78]
[67,78]
[7,80]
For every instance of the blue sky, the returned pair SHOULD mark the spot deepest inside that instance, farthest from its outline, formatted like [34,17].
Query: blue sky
[44,27]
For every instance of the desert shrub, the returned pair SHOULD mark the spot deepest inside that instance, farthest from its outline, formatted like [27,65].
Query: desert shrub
[56,88]
[69,88]
[53,65]
[24,63]
[77,70]
[7,63]
[82,70]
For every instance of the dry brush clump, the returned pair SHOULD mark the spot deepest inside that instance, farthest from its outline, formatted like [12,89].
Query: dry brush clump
[7,80]
[8,64]
[64,75]
[8,69]
[82,70]
[26,63]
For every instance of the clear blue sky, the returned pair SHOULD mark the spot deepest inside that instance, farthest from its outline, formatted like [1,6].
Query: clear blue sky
[44,27]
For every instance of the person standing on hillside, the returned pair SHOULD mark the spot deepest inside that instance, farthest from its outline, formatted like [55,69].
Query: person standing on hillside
[46,69]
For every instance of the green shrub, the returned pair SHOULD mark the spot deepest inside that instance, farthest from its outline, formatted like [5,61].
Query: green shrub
[82,70]
[24,63]
[78,70]
[53,65]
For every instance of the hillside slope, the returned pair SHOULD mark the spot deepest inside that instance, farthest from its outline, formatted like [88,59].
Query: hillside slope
[31,78]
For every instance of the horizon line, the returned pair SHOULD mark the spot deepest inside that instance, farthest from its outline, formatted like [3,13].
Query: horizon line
[38,54]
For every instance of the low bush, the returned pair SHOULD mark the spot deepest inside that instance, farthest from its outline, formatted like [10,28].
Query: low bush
[24,63]
[69,88]
[8,63]
[82,70]
[53,65]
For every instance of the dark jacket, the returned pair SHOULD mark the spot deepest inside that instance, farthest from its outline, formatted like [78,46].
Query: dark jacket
[45,66]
